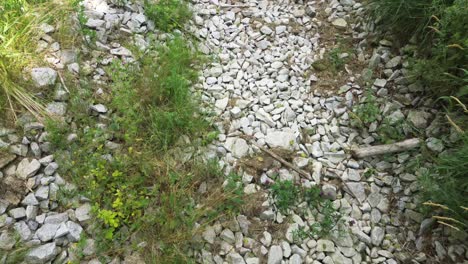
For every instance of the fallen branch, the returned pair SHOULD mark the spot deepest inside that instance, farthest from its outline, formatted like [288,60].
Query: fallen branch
[385,149]
[284,162]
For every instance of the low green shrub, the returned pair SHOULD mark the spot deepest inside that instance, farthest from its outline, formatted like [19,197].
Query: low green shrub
[143,187]
[441,65]
[288,194]
[366,111]
[446,185]
[168,15]
[405,19]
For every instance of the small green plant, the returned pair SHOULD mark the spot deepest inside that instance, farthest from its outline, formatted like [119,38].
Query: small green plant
[286,194]
[329,220]
[390,132]
[367,111]
[337,61]
[168,15]
[370,172]
[82,20]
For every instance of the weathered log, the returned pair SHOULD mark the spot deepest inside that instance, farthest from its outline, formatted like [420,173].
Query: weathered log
[385,149]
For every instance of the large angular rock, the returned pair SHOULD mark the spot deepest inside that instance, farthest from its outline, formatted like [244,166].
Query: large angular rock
[17,213]
[283,139]
[357,190]
[27,168]
[57,108]
[121,52]
[275,255]
[83,213]
[47,232]
[43,76]
[74,231]
[377,235]
[418,118]
[340,23]
[42,254]
[237,146]
[324,245]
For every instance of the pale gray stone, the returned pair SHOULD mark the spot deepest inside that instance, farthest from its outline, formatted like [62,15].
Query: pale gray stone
[43,76]
[7,241]
[228,236]
[418,118]
[435,144]
[42,193]
[340,23]
[235,258]
[209,235]
[357,190]
[57,108]
[42,254]
[17,213]
[283,139]
[324,245]
[74,231]
[56,218]
[237,146]
[99,108]
[275,255]
[47,232]
[30,199]
[83,213]
[27,168]
[377,235]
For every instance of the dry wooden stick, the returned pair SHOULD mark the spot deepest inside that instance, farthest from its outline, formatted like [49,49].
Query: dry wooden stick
[385,149]
[63,82]
[284,162]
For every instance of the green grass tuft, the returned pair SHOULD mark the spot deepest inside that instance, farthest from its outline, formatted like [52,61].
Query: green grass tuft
[168,15]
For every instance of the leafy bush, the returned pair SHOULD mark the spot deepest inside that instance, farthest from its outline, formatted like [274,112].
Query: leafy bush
[19,21]
[440,28]
[441,64]
[446,185]
[405,19]
[143,186]
[163,91]
[286,194]
[368,110]
[445,68]
[168,15]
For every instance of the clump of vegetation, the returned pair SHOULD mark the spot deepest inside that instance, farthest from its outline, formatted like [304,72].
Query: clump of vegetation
[367,111]
[334,60]
[390,132]
[88,34]
[440,28]
[441,64]
[130,166]
[164,95]
[445,187]
[19,23]
[168,14]
[444,68]
[17,253]
[337,60]
[288,194]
